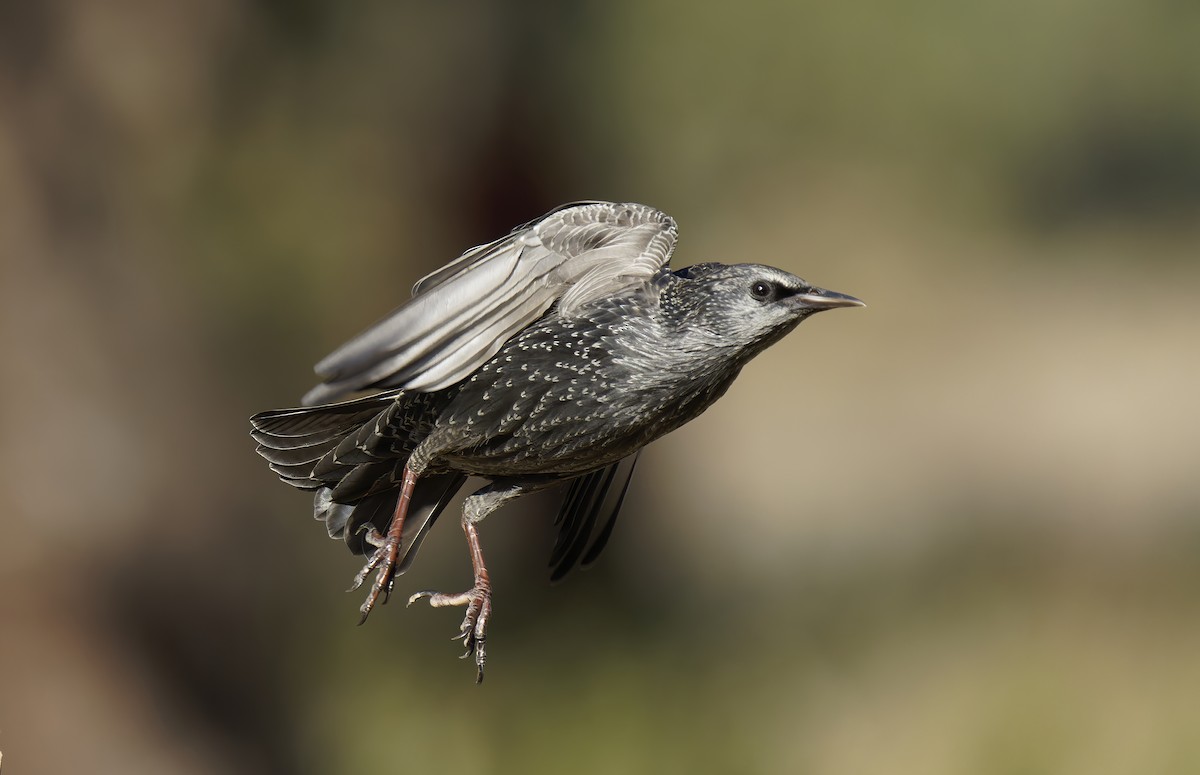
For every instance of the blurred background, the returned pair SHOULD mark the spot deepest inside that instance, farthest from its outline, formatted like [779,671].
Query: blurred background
[955,532]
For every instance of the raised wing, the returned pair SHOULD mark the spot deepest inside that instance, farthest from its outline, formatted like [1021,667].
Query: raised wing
[463,313]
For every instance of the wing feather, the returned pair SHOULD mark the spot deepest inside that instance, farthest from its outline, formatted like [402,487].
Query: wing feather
[598,492]
[461,314]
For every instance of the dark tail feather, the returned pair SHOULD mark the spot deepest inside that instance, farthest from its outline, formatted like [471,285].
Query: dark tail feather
[293,441]
[349,521]
[428,503]
[352,454]
[311,420]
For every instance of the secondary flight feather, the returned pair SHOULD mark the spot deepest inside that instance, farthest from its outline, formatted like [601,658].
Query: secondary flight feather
[461,314]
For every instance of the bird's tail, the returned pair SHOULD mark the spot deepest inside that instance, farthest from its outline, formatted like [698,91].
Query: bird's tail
[314,447]
[353,454]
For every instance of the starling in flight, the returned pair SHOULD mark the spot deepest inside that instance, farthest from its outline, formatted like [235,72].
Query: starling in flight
[552,354]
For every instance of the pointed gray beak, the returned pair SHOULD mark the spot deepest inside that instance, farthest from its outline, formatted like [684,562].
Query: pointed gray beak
[820,300]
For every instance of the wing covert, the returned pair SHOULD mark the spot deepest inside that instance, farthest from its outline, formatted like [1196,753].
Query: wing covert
[461,314]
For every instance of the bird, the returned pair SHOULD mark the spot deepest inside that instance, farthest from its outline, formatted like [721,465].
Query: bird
[551,355]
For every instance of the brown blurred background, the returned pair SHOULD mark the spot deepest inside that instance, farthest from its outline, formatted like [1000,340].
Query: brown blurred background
[955,532]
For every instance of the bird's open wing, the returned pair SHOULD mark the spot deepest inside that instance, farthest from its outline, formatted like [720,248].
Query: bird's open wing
[461,314]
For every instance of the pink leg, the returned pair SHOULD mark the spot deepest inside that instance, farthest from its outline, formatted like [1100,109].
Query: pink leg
[387,550]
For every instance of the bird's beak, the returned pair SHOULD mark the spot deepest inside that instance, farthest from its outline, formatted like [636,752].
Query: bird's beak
[818,299]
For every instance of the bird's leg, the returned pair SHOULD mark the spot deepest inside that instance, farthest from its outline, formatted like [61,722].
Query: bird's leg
[478,599]
[387,550]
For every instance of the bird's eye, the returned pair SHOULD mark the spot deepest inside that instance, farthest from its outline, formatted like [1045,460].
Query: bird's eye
[762,290]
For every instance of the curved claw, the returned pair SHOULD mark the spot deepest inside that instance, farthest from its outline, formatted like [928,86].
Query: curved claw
[424,593]
[473,630]
[365,571]
[387,550]
[383,560]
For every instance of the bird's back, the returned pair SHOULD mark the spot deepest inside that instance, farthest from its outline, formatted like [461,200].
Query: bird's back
[574,393]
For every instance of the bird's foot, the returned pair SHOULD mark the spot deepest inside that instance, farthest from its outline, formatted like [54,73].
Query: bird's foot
[387,551]
[473,632]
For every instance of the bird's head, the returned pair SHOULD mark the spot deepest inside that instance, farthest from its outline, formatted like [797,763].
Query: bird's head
[745,306]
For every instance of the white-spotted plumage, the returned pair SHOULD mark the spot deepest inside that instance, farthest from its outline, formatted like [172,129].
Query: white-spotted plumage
[557,352]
